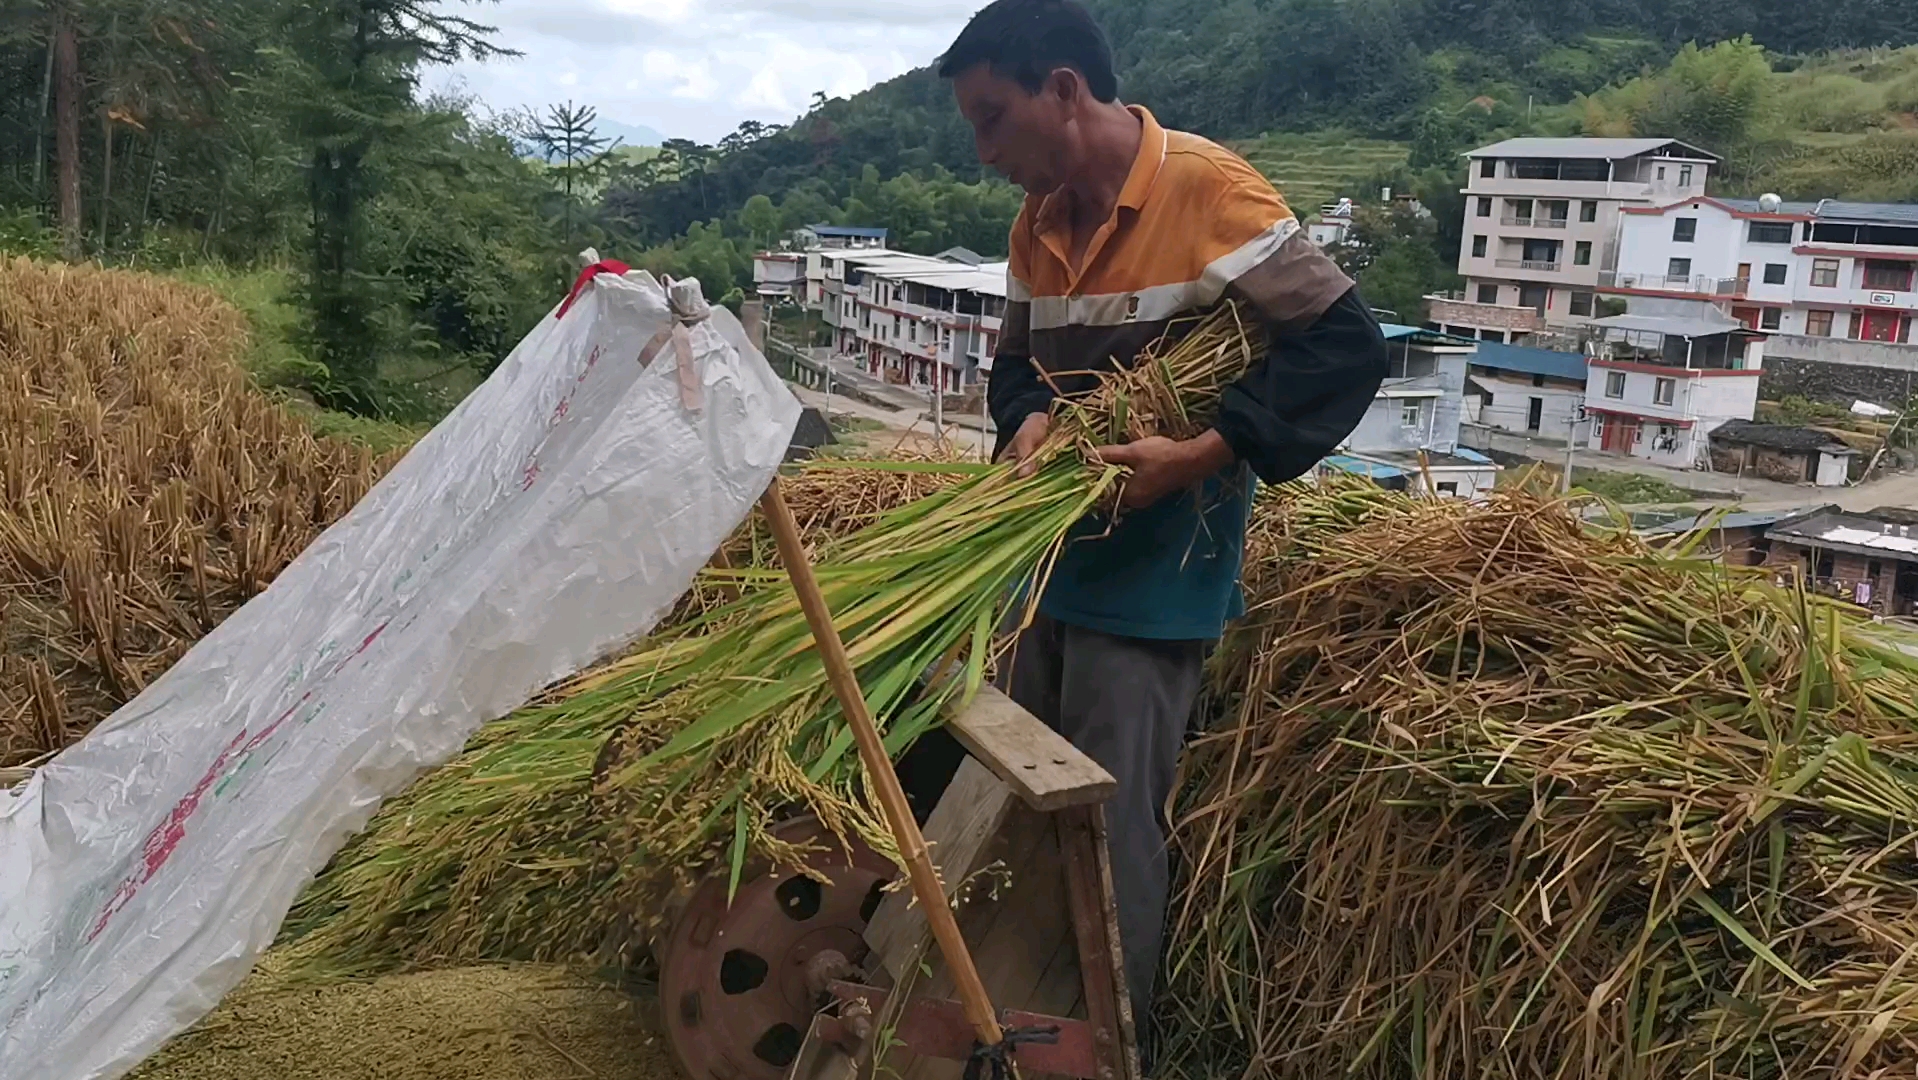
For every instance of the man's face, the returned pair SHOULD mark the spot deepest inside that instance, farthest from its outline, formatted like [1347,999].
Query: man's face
[1027,137]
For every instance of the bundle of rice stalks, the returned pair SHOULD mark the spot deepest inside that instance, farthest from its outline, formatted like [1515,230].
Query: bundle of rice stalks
[1497,796]
[146,489]
[566,828]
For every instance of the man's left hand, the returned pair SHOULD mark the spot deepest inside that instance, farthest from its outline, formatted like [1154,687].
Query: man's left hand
[1162,466]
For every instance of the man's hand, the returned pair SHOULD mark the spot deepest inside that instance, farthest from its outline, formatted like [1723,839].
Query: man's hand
[1026,442]
[1162,466]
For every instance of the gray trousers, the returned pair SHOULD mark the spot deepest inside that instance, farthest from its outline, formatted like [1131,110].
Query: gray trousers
[1125,703]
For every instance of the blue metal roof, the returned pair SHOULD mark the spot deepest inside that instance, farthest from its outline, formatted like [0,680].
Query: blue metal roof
[1423,336]
[1471,455]
[1363,468]
[1530,361]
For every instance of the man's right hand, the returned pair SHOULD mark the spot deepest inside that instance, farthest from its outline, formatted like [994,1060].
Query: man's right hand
[1026,442]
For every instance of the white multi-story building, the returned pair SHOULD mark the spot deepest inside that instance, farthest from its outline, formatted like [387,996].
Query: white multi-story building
[1832,283]
[913,320]
[929,324]
[1541,218]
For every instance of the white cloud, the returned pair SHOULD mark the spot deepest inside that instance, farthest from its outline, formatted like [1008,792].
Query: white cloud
[698,68]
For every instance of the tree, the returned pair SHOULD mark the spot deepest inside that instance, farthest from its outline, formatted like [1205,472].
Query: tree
[567,132]
[1393,255]
[66,128]
[761,220]
[353,67]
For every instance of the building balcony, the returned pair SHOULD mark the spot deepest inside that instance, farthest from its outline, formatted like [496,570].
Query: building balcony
[1699,285]
[1454,310]
[1541,265]
[1536,222]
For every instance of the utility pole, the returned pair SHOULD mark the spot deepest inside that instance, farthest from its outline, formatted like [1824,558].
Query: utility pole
[1571,449]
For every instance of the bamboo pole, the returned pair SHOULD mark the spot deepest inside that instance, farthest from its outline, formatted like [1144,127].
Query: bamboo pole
[872,752]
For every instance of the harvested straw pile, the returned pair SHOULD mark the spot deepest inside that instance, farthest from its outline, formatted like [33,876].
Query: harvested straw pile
[1495,796]
[146,489]
[569,826]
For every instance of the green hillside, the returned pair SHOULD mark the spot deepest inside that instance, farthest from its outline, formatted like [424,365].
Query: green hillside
[1314,168]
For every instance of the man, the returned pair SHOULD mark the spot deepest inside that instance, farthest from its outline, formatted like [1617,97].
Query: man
[1126,225]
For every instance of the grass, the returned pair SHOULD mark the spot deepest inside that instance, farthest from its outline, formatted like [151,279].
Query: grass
[276,363]
[1314,168]
[1629,489]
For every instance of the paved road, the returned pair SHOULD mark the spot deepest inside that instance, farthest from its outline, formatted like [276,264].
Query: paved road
[1754,493]
[967,439]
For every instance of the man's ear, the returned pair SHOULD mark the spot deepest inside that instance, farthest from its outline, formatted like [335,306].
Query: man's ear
[1064,86]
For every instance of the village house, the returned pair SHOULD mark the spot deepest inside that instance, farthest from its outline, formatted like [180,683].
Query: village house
[1541,224]
[1663,383]
[1783,453]
[1534,392]
[1739,539]
[1869,559]
[1831,282]
[1411,430]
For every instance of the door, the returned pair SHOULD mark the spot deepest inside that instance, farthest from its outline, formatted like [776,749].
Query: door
[1746,315]
[1880,326]
[1744,276]
[1617,438]
[1535,415]
[1536,297]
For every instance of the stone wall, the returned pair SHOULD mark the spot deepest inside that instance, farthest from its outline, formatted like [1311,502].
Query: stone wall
[1839,384]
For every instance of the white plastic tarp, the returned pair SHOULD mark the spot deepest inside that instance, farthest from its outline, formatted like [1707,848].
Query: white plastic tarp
[556,514]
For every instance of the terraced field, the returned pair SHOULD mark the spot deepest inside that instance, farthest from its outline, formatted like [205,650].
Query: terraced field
[1314,168]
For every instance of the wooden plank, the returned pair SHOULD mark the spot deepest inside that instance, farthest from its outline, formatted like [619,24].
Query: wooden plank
[961,831]
[1095,919]
[1014,941]
[1048,772]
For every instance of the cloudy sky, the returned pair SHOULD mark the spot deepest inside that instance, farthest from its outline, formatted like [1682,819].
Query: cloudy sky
[697,68]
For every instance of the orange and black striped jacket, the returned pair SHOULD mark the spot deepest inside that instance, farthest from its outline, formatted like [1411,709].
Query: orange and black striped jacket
[1194,223]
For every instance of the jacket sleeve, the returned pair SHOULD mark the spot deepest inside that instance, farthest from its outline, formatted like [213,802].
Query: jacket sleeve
[1325,354]
[1308,394]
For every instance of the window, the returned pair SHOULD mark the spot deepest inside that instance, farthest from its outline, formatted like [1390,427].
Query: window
[1478,247]
[1684,176]
[1895,276]
[1679,269]
[1535,169]
[1555,210]
[1413,414]
[1664,391]
[1488,168]
[1824,273]
[1538,380]
[1488,294]
[1484,207]
[1582,304]
[1614,384]
[1771,318]
[1685,229]
[1582,253]
[1775,273]
[1661,172]
[1769,232]
[1588,211]
[1449,488]
[1818,323]
[1518,211]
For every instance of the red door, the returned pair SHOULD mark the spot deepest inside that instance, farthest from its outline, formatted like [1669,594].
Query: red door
[1746,315]
[1880,326]
[1617,438]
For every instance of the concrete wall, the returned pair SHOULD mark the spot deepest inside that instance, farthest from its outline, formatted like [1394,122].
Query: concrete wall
[1840,372]
[1510,407]
[1764,462]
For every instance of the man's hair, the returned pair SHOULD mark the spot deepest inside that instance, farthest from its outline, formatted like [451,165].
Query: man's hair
[1027,40]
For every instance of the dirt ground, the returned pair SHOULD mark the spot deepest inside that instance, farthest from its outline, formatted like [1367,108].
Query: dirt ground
[501,1022]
